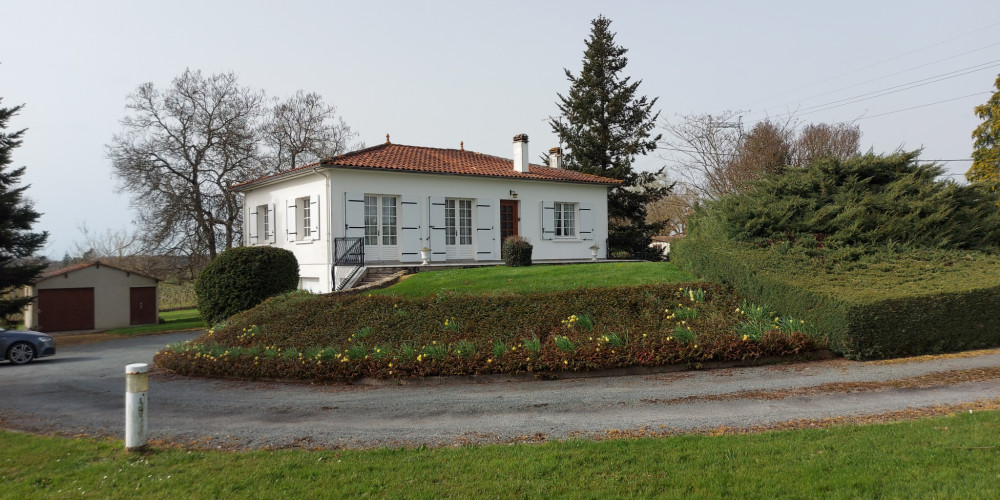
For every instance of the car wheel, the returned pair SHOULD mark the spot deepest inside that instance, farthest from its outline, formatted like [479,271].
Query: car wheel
[21,353]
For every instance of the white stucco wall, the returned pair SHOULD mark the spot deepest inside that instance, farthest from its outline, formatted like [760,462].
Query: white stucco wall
[314,256]
[111,294]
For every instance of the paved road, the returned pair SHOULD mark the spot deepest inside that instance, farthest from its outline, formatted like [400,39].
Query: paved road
[81,390]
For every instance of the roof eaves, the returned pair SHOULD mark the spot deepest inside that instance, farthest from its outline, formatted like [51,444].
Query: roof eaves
[609,182]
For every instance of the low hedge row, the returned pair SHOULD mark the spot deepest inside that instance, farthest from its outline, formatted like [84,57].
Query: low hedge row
[339,337]
[879,306]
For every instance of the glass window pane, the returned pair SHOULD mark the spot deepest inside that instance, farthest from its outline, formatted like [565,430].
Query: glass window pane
[449,222]
[465,221]
[388,220]
[371,220]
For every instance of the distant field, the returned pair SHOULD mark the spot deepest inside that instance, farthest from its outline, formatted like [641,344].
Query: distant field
[538,278]
[177,295]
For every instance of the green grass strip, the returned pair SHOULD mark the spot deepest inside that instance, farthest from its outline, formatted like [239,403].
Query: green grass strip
[185,319]
[944,457]
[538,278]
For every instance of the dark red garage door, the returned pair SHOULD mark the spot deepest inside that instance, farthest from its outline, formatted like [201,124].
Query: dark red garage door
[62,309]
[142,305]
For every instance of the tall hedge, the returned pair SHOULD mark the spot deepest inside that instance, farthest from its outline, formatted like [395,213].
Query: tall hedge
[243,277]
[884,258]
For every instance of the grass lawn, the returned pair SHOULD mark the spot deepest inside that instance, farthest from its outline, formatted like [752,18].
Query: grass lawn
[538,278]
[185,319]
[945,457]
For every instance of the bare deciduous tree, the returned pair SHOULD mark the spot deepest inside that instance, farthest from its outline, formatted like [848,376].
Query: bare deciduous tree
[700,149]
[821,140]
[711,156]
[303,129]
[673,209]
[180,151]
[183,147]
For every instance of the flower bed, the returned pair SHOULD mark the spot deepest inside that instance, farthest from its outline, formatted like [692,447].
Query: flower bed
[342,338]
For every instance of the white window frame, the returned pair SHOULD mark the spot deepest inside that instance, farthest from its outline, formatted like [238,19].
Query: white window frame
[264,220]
[303,218]
[563,213]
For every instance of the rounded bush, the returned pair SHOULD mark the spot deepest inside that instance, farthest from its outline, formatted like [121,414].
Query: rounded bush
[243,277]
[516,252]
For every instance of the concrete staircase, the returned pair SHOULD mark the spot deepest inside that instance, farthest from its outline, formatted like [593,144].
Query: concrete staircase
[376,275]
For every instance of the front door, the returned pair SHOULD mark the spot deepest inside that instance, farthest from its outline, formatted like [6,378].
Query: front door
[142,305]
[381,227]
[508,220]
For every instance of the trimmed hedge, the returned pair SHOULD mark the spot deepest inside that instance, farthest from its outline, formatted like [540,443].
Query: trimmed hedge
[343,337]
[241,278]
[880,306]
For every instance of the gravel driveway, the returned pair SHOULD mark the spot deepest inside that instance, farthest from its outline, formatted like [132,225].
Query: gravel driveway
[81,391]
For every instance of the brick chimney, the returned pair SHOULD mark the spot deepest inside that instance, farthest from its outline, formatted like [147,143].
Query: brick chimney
[521,153]
[555,158]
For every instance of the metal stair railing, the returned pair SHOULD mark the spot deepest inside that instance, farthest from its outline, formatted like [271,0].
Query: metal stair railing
[347,252]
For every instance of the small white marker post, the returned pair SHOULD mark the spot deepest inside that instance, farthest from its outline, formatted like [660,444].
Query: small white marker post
[136,418]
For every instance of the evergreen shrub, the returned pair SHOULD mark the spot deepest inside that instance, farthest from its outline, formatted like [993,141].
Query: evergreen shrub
[240,278]
[516,252]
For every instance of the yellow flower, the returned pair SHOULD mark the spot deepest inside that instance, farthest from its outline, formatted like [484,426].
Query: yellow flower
[489,360]
[745,337]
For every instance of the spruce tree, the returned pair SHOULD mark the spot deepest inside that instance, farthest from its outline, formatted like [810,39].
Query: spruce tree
[604,126]
[17,242]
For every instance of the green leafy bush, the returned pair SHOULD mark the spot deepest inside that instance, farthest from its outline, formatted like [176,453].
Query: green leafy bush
[516,252]
[241,278]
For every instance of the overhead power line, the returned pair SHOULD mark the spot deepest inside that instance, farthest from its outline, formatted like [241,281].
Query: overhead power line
[764,110]
[851,72]
[924,106]
[888,90]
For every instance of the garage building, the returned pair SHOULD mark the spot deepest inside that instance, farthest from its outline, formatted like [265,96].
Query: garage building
[92,296]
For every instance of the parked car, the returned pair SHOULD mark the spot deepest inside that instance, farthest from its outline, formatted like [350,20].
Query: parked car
[20,347]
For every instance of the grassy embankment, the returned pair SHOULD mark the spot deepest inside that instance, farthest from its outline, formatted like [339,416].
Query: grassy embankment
[943,457]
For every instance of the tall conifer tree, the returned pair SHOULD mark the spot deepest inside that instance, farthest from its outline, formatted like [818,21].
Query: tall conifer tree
[17,242]
[604,126]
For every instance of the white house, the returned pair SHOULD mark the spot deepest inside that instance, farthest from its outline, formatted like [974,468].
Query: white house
[396,200]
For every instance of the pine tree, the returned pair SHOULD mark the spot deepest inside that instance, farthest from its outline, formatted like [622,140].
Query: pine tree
[604,126]
[17,242]
[986,148]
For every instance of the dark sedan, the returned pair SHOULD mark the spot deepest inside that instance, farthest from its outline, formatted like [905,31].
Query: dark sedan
[20,347]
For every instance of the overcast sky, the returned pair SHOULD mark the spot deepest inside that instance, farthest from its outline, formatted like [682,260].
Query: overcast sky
[436,73]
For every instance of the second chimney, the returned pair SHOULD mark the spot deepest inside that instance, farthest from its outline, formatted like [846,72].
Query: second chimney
[521,153]
[555,158]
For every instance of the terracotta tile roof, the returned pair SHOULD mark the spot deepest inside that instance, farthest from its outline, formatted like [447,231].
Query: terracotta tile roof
[397,157]
[76,267]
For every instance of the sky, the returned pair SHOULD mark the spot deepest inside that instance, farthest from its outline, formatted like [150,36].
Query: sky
[435,73]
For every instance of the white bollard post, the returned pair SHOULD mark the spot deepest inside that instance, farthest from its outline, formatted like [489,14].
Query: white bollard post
[136,418]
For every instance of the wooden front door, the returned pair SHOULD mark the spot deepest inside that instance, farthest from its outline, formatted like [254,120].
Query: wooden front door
[64,309]
[142,305]
[508,220]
